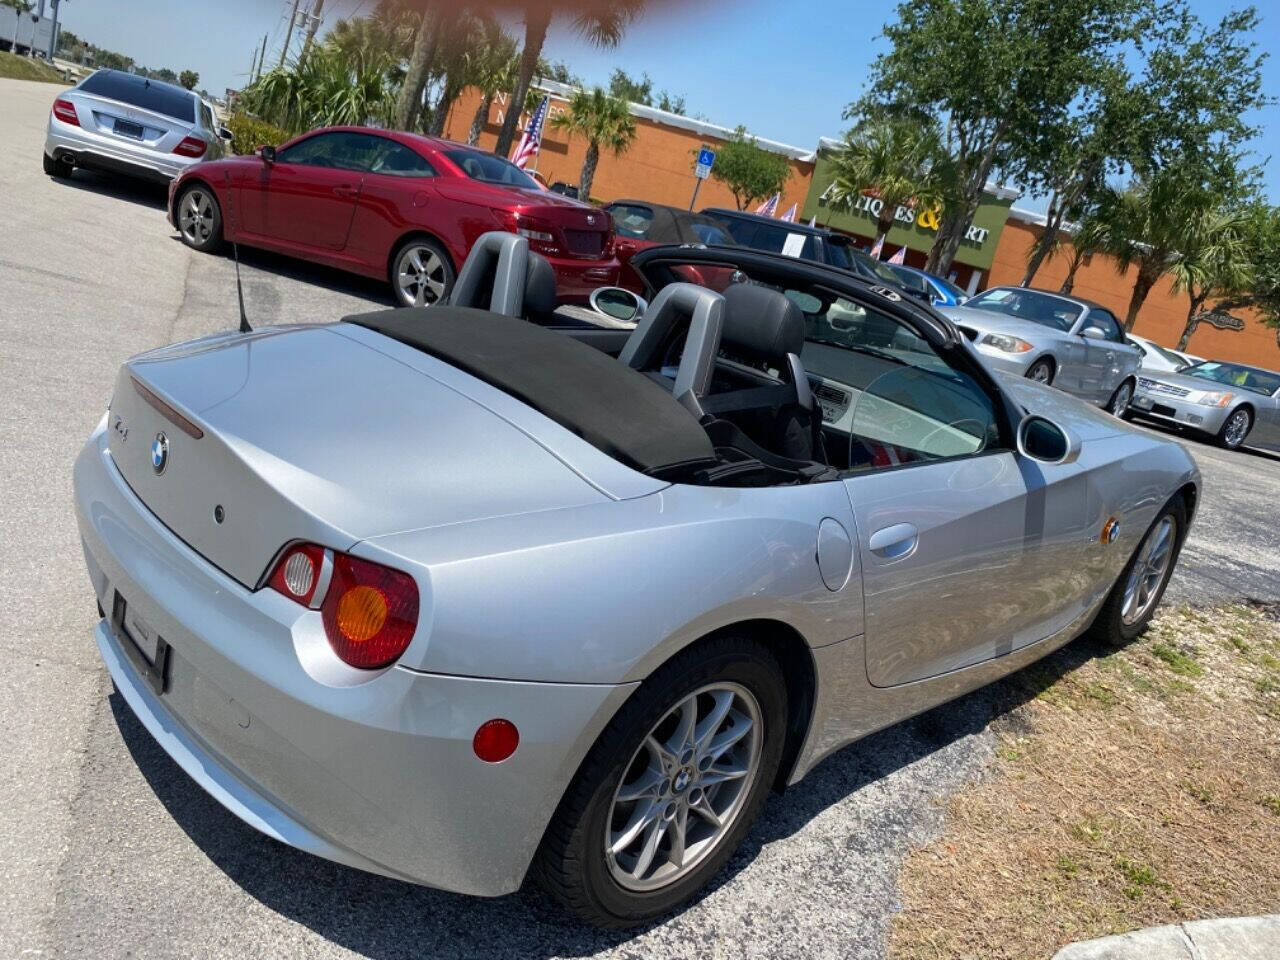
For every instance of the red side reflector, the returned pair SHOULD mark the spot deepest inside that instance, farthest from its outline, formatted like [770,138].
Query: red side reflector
[191,147]
[65,111]
[495,740]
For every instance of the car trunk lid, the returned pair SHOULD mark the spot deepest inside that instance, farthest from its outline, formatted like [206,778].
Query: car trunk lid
[240,444]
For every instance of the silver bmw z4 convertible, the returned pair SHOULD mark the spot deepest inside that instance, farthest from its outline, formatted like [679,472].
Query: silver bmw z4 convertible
[479,592]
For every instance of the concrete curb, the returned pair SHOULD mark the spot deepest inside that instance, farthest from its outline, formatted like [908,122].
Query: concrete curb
[1239,938]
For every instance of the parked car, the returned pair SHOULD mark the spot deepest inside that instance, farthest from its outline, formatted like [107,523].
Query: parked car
[1157,358]
[456,598]
[1230,402]
[564,189]
[123,123]
[390,205]
[803,241]
[639,224]
[1075,345]
[928,287]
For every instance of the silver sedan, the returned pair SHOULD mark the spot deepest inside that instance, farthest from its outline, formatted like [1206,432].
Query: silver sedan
[456,598]
[1230,402]
[1074,344]
[124,123]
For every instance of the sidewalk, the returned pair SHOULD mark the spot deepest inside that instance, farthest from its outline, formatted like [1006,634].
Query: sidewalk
[1242,938]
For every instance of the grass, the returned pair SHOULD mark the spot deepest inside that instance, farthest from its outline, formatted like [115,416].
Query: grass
[1142,788]
[13,67]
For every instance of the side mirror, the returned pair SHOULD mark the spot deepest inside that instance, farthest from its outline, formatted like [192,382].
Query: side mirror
[1093,333]
[618,304]
[225,134]
[1041,439]
[267,153]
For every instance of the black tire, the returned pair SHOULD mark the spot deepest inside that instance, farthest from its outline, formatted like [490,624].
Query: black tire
[201,227]
[435,279]
[571,863]
[1034,372]
[55,168]
[1225,438]
[1109,626]
[1126,389]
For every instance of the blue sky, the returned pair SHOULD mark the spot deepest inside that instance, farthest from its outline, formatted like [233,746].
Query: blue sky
[784,69]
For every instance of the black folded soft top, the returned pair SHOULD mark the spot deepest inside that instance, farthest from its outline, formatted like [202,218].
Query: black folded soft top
[614,408]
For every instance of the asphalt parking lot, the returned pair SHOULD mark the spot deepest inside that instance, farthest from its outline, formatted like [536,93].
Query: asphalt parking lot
[108,849]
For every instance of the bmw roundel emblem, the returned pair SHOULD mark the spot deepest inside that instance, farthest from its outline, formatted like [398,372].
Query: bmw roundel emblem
[160,453]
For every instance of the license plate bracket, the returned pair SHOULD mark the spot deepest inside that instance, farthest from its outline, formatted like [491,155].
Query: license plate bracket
[155,670]
[127,128]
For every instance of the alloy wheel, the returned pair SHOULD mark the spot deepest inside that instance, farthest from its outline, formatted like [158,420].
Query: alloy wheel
[685,787]
[1040,373]
[1142,589]
[420,276]
[196,217]
[1237,428]
[1120,403]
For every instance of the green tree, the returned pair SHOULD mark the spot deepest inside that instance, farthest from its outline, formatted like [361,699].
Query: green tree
[1262,239]
[625,87]
[605,121]
[326,89]
[1213,262]
[189,79]
[897,159]
[996,71]
[1090,237]
[432,22]
[671,103]
[492,69]
[748,170]
[602,24]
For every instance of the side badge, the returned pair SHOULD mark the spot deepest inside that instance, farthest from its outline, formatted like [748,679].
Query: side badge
[159,453]
[887,294]
[1110,530]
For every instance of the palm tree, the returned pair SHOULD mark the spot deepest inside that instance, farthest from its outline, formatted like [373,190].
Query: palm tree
[1146,227]
[602,24]
[605,121]
[898,160]
[328,88]
[493,68]
[1215,262]
[431,24]
[1089,238]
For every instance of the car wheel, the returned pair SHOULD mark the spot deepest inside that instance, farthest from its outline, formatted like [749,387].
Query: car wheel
[1136,594]
[1041,371]
[421,273]
[1235,429]
[199,218]
[55,168]
[670,788]
[1118,405]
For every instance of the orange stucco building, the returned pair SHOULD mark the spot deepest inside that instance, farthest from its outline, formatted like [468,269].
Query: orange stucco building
[659,167]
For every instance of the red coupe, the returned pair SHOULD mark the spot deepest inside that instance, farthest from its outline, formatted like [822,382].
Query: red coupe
[390,205]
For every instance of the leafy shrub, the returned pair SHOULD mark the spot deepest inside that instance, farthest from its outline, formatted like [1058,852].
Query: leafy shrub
[248,133]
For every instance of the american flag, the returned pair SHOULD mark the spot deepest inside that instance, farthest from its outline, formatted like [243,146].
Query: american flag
[770,206]
[899,256]
[879,246]
[790,215]
[531,141]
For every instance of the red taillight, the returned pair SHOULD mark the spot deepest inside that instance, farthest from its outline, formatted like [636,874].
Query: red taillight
[370,612]
[65,111]
[495,740]
[191,147]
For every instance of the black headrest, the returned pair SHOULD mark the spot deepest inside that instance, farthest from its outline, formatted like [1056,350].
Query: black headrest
[539,287]
[761,322]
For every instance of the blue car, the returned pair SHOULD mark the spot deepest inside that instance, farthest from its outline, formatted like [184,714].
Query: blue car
[928,287]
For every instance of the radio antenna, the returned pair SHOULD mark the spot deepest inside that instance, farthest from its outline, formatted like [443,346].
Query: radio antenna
[244,319]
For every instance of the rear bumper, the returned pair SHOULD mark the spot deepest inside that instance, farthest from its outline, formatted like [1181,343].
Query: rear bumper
[377,774]
[1177,410]
[95,152]
[575,279]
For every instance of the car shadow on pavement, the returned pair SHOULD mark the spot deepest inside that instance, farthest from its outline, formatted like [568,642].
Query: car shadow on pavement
[386,919]
[142,192]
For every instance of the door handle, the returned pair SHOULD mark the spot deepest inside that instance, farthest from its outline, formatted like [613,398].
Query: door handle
[346,192]
[894,543]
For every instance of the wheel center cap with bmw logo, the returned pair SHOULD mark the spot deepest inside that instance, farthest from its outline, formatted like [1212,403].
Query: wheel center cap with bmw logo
[159,453]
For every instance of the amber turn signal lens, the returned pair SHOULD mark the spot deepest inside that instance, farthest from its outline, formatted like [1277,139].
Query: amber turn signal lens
[362,612]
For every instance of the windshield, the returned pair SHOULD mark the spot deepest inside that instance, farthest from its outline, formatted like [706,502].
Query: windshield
[874,267]
[958,292]
[1169,355]
[1235,375]
[1042,308]
[490,169]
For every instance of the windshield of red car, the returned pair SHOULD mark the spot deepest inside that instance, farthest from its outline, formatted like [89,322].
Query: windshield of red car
[490,169]
[1235,375]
